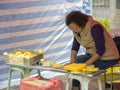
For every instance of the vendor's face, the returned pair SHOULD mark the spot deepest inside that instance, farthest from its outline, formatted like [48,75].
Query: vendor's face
[74,27]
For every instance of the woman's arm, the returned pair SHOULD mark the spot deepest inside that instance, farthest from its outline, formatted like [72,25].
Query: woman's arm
[98,36]
[74,50]
[72,56]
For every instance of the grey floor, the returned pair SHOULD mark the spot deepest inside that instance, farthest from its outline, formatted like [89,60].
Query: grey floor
[17,88]
[12,88]
[93,85]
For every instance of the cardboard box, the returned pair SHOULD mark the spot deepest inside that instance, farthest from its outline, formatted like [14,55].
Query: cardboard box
[24,57]
[37,83]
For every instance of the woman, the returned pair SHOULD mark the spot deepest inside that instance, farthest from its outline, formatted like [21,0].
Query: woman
[101,50]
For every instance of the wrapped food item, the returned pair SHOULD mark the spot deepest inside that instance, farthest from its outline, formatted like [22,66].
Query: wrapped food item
[75,67]
[57,65]
[42,60]
[41,51]
[47,63]
[90,69]
[80,68]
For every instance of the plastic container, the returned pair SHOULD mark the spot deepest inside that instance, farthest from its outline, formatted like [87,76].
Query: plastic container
[37,83]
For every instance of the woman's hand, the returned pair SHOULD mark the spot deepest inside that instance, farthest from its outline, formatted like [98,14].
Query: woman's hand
[87,63]
[92,59]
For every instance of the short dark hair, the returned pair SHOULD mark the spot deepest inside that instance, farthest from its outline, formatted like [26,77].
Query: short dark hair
[77,17]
